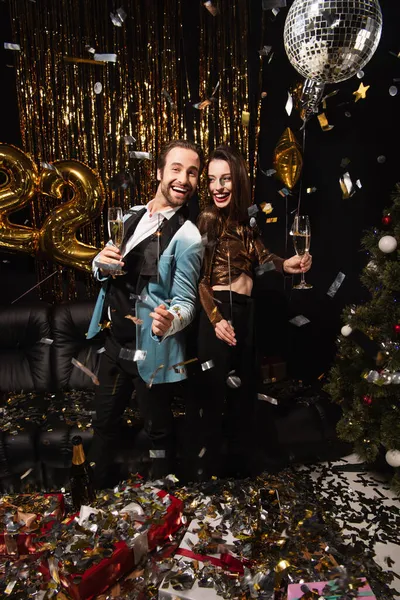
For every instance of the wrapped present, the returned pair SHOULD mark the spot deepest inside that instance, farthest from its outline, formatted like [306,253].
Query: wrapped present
[273,369]
[206,550]
[101,544]
[329,590]
[24,518]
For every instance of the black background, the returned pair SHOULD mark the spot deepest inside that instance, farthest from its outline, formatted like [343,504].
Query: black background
[337,224]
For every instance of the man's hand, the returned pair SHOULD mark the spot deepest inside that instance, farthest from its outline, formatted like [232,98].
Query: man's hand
[225,332]
[298,264]
[110,255]
[162,320]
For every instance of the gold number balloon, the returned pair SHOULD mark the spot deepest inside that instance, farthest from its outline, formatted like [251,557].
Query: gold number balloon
[288,160]
[58,233]
[18,177]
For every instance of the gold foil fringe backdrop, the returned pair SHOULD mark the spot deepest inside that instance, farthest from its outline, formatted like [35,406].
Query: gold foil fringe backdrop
[147,93]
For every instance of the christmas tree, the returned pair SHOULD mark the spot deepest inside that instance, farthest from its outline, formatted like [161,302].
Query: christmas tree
[365,378]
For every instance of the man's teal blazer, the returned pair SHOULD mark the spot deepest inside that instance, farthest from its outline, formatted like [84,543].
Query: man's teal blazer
[176,287]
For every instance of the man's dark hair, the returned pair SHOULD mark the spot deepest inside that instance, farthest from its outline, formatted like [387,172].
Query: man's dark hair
[187,144]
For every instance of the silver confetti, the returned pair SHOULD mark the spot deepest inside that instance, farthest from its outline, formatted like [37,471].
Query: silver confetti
[265,268]
[141,155]
[26,473]
[157,453]
[101,350]
[233,381]
[9,46]
[207,365]
[289,104]
[105,57]
[252,210]
[348,184]
[265,50]
[336,284]
[267,399]
[129,140]
[202,452]
[85,370]
[134,355]
[299,320]
[393,90]
[97,88]
[140,297]
[118,17]
[47,341]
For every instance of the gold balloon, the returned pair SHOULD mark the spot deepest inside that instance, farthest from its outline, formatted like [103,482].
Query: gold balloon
[288,160]
[58,233]
[18,178]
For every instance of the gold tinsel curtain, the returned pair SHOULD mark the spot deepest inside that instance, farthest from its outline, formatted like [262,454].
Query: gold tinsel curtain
[148,93]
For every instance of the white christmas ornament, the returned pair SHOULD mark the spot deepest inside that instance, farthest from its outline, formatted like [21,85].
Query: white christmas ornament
[346,330]
[393,458]
[387,244]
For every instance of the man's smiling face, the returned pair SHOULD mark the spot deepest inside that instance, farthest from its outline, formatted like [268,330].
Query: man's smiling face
[179,177]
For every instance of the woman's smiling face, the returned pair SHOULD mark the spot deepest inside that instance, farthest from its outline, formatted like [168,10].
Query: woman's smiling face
[220,182]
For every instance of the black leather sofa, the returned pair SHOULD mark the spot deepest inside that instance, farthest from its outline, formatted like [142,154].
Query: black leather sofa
[45,400]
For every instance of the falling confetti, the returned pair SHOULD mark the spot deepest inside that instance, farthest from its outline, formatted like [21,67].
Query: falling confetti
[361,92]
[299,321]
[85,370]
[336,284]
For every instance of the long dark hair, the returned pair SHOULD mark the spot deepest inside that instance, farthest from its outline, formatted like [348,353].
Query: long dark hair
[215,219]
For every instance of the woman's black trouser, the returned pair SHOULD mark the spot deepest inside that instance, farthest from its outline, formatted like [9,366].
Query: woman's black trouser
[226,413]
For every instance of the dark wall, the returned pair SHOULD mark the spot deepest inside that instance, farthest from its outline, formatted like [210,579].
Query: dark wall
[337,224]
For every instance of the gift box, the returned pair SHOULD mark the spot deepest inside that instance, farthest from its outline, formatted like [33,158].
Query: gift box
[329,590]
[87,584]
[273,369]
[185,582]
[25,517]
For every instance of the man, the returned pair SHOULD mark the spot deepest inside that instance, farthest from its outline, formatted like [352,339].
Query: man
[149,307]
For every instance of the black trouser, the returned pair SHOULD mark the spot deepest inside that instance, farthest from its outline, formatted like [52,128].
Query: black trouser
[215,397]
[118,377]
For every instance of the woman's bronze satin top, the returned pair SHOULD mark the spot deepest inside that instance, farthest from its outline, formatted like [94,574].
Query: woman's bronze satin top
[245,249]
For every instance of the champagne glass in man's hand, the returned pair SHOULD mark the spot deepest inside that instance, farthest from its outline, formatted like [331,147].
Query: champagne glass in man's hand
[301,232]
[109,259]
[116,232]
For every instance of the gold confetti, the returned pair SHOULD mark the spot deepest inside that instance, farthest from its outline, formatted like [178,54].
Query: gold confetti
[266,207]
[183,363]
[87,61]
[136,320]
[361,92]
[245,118]
[282,565]
[272,220]
[323,121]
[153,376]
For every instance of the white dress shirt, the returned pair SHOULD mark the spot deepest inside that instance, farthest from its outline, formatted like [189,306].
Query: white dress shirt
[148,225]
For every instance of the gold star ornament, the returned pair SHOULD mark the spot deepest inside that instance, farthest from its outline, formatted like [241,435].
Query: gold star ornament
[361,92]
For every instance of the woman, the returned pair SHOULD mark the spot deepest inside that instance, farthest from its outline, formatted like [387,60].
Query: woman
[226,331]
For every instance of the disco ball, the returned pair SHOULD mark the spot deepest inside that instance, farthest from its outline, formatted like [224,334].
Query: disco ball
[330,40]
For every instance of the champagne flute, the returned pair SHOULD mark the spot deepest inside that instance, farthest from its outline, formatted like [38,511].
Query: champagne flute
[301,232]
[116,230]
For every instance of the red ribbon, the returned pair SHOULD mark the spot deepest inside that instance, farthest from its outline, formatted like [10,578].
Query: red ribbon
[226,561]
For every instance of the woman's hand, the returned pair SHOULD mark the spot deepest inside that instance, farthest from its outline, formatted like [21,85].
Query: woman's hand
[225,332]
[297,264]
